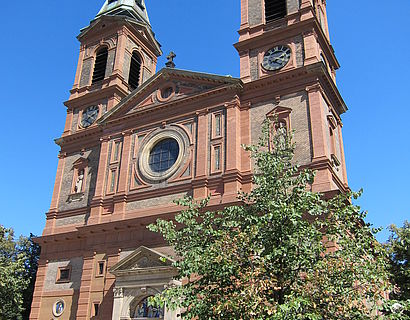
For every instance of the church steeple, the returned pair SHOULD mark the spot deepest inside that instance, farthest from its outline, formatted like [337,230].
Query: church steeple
[130,8]
[118,54]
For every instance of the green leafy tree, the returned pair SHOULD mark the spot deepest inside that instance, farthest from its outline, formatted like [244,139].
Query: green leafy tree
[398,249]
[31,252]
[268,258]
[18,266]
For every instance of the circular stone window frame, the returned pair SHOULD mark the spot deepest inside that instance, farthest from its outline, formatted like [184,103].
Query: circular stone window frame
[150,142]
[165,87]
[55,314]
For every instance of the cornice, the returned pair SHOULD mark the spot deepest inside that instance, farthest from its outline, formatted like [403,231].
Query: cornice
[92,93]
[305,77]
[165,74]
[95,132]
[171,104]
[329,86]
[326,164]
[304,27]
[66,214]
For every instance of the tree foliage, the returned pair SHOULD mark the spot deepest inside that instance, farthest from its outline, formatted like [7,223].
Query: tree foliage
[18,267]
[268,258]
[398,247]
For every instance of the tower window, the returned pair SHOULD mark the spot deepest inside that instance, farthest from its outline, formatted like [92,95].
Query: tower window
[101,268]
[64,274]
[96,309]
[135,71]
[275,9]
[100,64]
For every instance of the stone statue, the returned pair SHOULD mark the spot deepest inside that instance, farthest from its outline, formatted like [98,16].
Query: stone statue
[282,132]
[79,183]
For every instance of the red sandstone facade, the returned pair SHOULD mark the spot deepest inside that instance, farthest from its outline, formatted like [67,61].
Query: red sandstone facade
[98,259]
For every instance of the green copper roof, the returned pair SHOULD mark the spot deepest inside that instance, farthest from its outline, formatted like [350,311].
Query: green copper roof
[129,8]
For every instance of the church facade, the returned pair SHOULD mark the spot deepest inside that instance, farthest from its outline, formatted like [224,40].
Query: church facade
[136,138]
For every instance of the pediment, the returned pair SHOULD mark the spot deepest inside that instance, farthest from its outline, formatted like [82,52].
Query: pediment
[80,162]
[167,87]
[278,110]
[109,22]
[142,259]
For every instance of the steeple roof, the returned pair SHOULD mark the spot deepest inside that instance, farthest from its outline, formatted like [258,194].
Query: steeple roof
[130,8]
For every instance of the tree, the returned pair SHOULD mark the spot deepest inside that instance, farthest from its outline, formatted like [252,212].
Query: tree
[18,267]
[398,247]
[31,252]
[268,258]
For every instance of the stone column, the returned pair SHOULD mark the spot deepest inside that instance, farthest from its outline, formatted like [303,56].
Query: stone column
[118,303]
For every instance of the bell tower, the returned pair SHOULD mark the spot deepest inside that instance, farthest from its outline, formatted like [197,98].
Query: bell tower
[284,47]
[301,25]
[118,53]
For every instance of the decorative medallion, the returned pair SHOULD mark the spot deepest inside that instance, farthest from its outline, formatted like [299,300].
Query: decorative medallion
[58,308]
[276,58]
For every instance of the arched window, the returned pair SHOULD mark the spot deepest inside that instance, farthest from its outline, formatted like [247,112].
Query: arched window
[100,64]
[135,71]
[275,9]
[145,311]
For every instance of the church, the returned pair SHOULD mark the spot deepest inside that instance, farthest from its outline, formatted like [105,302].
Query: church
[137,138]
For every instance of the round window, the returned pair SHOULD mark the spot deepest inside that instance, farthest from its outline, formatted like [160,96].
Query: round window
[167,92]
[58,308]
[163,155]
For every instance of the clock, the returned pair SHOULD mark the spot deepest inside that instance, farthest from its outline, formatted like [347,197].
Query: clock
[89,116]
[276,58]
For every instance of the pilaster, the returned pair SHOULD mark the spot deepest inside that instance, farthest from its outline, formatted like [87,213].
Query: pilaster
[119,207]
[68,122]
[318,129]
[200,188]
[311,47]
[83,310]
[57,184]
[97,209]
[38,290]
[79,67]
[119,57]
[233,145]
[342,152]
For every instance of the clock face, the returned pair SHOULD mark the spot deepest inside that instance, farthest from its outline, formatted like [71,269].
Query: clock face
[276,58]
[89,116]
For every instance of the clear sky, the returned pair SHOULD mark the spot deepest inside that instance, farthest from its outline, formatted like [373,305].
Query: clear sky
[39,54]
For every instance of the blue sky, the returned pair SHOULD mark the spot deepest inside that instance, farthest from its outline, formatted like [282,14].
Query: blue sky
[40,51]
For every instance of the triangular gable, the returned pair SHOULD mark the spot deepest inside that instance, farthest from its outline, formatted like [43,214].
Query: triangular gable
[143,28]
[277,111]
[185,84]
[142,259]
[80,162]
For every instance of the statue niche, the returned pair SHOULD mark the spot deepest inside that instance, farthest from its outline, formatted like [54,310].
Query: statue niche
[144,310]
